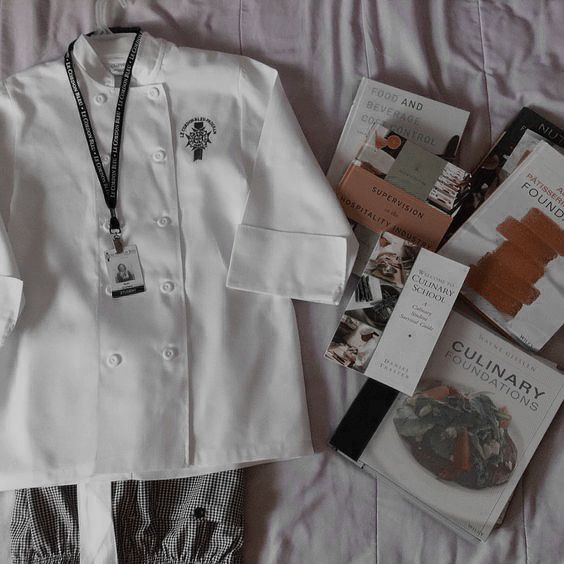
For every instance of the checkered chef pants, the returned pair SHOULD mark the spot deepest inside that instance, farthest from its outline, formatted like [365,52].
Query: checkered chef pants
[182,521]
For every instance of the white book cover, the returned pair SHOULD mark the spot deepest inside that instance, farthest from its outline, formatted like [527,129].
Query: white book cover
[432,125]
[460,444]
[514,246]
[401,303]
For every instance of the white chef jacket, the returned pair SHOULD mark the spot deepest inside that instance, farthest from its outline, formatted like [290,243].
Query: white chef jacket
[202,371]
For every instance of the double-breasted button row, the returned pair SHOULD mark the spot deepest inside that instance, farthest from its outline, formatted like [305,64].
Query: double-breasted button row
[162,221]
[153,93]
[115,359]
[159,156]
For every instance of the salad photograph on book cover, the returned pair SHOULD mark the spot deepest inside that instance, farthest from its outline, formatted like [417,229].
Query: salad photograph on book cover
[459,436]
[514,245]
[460,444]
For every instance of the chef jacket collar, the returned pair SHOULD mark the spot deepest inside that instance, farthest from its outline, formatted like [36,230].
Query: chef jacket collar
[89,52]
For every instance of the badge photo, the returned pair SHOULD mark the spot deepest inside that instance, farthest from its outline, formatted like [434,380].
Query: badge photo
[124,272]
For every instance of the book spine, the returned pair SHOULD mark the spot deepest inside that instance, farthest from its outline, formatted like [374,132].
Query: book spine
[362,419]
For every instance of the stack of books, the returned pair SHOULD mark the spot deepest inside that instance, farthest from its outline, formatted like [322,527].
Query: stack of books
[453,411]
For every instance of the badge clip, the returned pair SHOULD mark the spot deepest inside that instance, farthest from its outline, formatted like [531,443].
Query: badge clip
[118,245]
[115,230]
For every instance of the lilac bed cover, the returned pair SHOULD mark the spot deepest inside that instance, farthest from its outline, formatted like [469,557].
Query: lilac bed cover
[490,57]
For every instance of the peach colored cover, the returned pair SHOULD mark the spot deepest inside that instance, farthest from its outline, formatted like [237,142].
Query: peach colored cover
[381,206]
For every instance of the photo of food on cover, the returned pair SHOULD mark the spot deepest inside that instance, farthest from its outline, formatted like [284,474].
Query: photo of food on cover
[378,154]
[406,165]
[353,344]
[461,437]
[458,445]
[372,303]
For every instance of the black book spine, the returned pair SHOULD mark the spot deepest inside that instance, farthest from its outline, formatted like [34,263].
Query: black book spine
[362,418]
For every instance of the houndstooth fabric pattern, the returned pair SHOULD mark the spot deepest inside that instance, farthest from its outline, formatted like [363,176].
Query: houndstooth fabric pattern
[183,521]
[196,520]
[44,526]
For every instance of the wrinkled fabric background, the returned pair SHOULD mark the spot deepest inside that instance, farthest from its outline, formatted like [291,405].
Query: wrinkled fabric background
[490,57]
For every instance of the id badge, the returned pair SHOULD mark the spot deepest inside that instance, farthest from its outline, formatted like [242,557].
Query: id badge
[124,271]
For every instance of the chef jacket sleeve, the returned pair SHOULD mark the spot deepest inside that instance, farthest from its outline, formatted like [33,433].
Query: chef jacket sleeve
[294,239]
[11,298]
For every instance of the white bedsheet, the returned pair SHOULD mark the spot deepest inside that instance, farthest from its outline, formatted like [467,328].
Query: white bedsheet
[488,56]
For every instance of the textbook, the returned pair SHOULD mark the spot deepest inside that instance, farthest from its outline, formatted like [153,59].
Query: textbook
[434,126]
[458,446]
[512,146]
[394,185]
[514,246]
[401,303]
[413,169]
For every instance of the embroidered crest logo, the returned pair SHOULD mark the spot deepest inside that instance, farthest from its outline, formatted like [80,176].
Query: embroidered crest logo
[197,132]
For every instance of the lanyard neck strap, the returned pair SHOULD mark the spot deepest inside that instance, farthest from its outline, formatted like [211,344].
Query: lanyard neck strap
[109,185]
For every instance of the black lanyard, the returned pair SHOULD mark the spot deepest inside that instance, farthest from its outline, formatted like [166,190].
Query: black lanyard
[109,186]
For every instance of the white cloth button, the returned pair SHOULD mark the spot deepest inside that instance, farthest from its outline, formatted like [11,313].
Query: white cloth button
[167,287]
[163,221]
[105,159]
[114,360]
[169,353]
[159,155]
[100,98]
[154,93]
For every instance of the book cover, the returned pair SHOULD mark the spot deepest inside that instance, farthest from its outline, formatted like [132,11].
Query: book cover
[378,205]
[514,245]
[432,125]
[413,169]
[417,206]
[521,136]
[460,444]
[401,301]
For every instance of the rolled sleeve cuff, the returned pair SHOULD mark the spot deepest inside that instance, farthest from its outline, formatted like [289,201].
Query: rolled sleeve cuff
[302,266]
[10,302]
